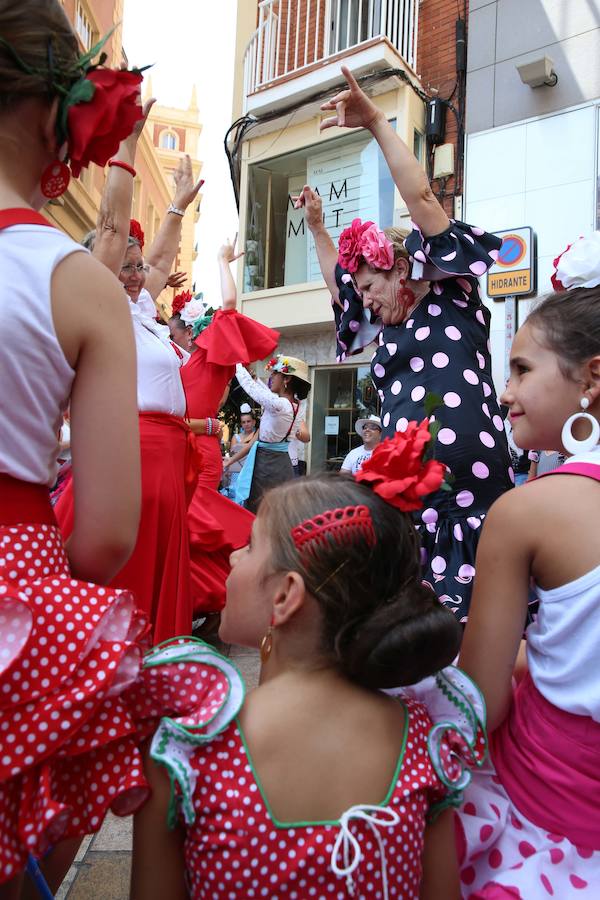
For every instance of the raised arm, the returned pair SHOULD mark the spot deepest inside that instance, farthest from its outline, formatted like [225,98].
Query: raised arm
[166,243]
[226,256]
[259,391]
[354,109]
[326,250]
[243,451]
[112,224]
[93,325]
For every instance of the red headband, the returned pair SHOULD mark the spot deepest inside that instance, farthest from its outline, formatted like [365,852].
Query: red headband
[342,524]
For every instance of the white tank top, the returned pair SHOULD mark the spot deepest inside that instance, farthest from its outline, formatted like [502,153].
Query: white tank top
[563,643]
[36,377]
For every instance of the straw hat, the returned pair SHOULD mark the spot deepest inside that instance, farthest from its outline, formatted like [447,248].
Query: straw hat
[289,365]
[360,424]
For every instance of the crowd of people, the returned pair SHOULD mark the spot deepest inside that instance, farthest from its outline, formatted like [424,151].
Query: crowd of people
[365,763]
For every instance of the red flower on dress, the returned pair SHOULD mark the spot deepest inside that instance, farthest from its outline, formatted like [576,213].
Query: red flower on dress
[97,125]
[136,231]
[350,248]
[396,470]
[179,301]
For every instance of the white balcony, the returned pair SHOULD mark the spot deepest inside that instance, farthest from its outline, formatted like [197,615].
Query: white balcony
[298,45]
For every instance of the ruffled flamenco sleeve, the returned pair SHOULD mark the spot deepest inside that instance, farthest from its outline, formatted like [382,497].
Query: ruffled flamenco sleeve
[354,328]
[457,742]
[234,338]
[455,258]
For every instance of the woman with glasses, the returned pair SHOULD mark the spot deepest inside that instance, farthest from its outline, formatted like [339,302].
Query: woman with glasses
[158,571]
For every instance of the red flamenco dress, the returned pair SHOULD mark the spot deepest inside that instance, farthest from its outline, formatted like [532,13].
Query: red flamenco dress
[77,693]
[217,526]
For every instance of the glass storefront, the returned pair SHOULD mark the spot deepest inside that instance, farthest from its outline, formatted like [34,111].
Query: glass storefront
[341,396]
[353,180]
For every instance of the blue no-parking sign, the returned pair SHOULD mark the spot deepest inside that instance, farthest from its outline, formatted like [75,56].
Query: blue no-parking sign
[515,271]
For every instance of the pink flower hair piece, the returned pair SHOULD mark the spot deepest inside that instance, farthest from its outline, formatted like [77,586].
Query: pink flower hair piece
[364,241]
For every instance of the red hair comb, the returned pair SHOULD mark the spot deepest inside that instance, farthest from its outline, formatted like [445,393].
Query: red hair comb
[344,525]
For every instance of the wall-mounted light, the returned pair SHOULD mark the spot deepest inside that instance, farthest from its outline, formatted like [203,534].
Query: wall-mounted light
[538,72]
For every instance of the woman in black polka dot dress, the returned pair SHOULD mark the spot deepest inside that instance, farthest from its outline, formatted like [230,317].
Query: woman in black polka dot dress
[420,300]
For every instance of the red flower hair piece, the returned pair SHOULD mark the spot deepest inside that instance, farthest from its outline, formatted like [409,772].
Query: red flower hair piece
[365,241]
[342,524]
[350,245]
[556,282]
[398,472]
[136,231]
[179,301]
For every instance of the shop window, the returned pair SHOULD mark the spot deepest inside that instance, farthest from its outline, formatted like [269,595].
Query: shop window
[353,180]
[419,145]
[341,396]
[168,140]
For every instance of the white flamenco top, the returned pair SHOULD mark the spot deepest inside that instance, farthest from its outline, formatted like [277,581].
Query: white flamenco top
[159,387]
[562,643]
[278,412]
[36,377]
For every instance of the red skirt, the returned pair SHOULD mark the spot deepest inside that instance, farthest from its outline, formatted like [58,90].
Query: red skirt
[217,527]
[158,570]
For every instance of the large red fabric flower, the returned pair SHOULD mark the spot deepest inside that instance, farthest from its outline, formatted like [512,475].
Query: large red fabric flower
[396,470]
[179,301]
[376,248]
[350,246]
[98,125]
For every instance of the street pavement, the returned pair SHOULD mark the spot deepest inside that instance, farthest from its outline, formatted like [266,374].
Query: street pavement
[102,866]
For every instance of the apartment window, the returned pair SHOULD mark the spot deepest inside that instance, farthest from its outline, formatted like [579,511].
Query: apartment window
[83,26]
[353,180]
[168,140]
[419,145]
[353,21]
[341,396]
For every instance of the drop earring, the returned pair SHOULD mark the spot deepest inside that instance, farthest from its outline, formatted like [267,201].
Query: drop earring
[55,179]
[266,645]
[570,442]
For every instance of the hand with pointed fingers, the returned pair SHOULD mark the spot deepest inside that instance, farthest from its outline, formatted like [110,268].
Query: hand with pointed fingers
[176,280]
[186,190]
[313,207]
[353,109]
[227,251]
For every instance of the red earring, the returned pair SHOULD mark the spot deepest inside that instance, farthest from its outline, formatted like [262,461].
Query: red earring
[405,296]
[55,179]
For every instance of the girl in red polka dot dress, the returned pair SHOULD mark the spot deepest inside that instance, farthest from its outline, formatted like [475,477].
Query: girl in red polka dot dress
[530,826]
[330,781]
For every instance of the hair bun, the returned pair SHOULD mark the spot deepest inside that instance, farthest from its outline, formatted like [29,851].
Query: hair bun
[401,642]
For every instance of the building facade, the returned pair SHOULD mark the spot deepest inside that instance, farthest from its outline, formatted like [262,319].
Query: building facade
[288,58]
[532,146]
[76,211]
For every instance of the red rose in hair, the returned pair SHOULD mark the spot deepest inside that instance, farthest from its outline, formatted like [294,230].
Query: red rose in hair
[136,231]
[179,301]
[396,470]
[350,245]
[98,125]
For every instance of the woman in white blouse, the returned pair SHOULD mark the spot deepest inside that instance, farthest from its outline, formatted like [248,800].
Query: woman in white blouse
[268,461]
[158,569]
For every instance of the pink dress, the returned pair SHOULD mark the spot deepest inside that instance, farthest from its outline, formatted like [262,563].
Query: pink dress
[236,848]
[530,824]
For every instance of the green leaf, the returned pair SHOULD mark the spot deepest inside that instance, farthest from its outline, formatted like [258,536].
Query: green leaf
[434,430]
[446,487]
[432,402]
[84,61]
[81,92]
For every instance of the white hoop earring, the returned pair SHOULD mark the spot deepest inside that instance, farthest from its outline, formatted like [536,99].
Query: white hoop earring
[570,443]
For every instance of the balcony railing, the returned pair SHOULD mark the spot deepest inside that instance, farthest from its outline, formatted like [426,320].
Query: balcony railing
[294,34]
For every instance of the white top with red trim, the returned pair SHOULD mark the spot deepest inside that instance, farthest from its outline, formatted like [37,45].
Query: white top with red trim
[159,387]
[36,377]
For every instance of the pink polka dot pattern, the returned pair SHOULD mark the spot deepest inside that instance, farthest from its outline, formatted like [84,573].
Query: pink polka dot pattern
[236,849]
[443,349]
[506,855]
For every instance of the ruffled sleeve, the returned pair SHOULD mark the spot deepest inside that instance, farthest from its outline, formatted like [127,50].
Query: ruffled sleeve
[234,338]
[457,741]
[202,692]
[354,328]
[462,252]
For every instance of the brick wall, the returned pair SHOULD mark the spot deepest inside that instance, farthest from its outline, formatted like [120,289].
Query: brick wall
[436,67]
